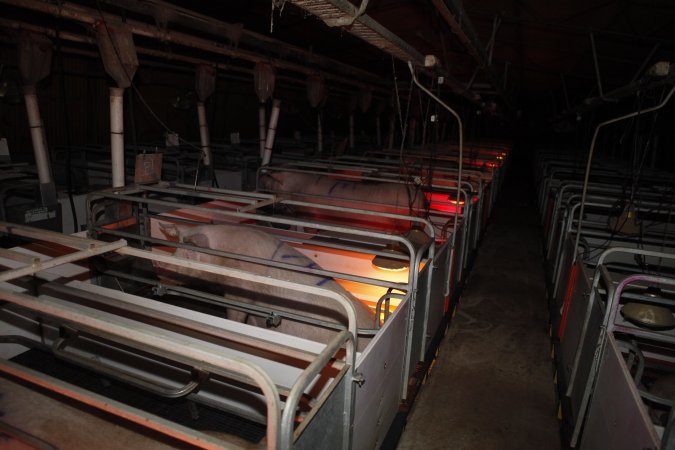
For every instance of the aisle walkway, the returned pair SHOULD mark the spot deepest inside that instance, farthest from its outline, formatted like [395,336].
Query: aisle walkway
[491,386]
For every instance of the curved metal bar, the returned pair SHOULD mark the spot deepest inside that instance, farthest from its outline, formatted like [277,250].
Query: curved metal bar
[461,138]
[307,376]
[197,376]
[158,341]
[611,311]
[385,299]
[247,276]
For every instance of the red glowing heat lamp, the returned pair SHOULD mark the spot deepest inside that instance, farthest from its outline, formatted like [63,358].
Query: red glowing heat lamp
[442,202]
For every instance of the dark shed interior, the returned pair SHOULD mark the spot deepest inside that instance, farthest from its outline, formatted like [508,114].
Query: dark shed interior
[510,161]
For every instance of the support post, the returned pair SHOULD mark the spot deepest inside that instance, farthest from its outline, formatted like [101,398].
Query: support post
[204,134]
[391,131]
[378,132]
[37,135]
[564,87]
[319,133]
[271,132]
[262,132]
[596,65]
[117,136]
[351,130]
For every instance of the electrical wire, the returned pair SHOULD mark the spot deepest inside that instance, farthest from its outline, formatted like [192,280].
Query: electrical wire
[66,124]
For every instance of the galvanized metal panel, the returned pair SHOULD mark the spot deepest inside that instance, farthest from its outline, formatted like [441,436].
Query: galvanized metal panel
[419,325]
[324,431]
[381,364]
[586,357]
[617,418]
[576,314]
[436,308]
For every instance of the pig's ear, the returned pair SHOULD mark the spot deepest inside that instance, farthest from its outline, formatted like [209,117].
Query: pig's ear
[200,240]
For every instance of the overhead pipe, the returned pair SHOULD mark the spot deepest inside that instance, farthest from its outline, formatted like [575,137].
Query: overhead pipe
[191,60]
[67,10]
[238,34]
[35,56]
[334,12]
[271,131]
[71,11]
[361,25]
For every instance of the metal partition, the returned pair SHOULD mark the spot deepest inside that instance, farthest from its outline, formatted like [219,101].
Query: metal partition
[73,319]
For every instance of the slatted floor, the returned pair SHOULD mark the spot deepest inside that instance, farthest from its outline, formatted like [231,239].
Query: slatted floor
[491,386]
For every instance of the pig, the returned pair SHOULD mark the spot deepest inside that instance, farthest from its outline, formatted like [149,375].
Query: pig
[381,196]
[251,242]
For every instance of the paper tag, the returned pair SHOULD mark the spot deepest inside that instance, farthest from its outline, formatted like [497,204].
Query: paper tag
[148,168]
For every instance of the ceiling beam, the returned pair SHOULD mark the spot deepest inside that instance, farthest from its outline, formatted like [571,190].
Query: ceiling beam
[167,13]
[455,16]
[342,13]
[90,16]
[554,27]
[356,22]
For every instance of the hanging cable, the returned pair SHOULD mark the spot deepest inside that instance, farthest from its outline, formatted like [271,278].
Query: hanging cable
[66,125]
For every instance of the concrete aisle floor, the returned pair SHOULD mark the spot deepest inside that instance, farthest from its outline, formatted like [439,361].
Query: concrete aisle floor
[491,386]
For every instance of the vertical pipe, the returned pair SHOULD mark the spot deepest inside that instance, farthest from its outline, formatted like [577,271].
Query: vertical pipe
[37,135]
[596,65]
[204,134]
[351,130]
[319,134]
[271,132]
[391,132]
[424,132]
[378,131]
[117,136]
[262,133]
[412,126]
